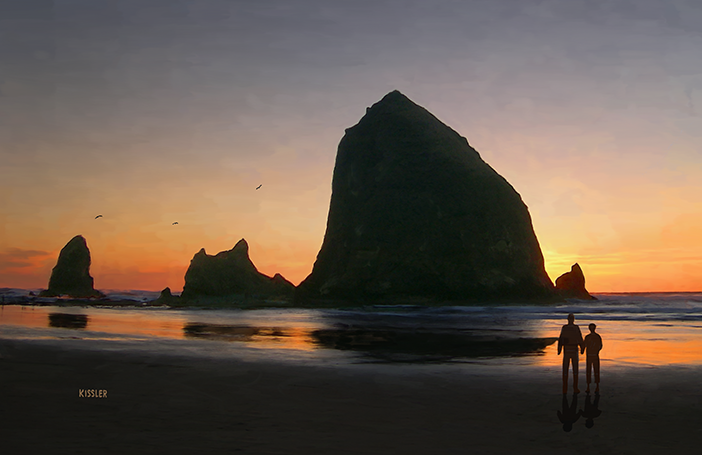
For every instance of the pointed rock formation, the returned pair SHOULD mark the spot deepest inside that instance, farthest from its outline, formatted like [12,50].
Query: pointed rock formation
[166,298]
[71,276]
[572,284]
[231,273]
[166,293]
[415,211]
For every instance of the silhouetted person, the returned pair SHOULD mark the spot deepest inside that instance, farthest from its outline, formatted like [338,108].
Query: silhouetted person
[593,345]
[569,415]
[591,411]
[570,341]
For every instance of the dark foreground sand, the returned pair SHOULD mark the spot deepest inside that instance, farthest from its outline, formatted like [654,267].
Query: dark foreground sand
[173,405]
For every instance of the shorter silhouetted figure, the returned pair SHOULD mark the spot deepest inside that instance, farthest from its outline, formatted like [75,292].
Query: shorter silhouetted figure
[593,346]
[569,416]
[570,341]
[259,186]
[99,216]
[591,410]
[174,223]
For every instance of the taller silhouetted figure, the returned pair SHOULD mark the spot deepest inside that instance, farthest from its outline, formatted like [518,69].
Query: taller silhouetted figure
[570,341]
[569,415]
[593,344]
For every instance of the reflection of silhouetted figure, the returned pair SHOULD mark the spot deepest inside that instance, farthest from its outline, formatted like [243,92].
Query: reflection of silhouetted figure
[591,411]
[593,344]
[568,416]
[570,341]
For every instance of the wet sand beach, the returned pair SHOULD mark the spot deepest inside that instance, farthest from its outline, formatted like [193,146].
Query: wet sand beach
[179,403]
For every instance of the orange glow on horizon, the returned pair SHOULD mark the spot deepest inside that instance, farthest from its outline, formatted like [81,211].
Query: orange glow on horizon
[602,273]
[159,325]
[625,342]
[674,270]
[648,352]
[129,269]
[663,259]
[108,322]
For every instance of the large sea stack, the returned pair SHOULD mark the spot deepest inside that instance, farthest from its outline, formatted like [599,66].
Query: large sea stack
[415,212]
[231,274]
[71,276]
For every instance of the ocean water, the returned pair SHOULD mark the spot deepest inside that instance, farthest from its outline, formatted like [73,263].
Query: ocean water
[637,329]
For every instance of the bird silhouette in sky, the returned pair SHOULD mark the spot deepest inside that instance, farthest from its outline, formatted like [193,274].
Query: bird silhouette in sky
[99,216]
[175,223]
[259,186]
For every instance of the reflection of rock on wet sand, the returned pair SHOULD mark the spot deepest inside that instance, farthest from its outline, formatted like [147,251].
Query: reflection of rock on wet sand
[391,341]
[231,333]
[378,342]
[68,321]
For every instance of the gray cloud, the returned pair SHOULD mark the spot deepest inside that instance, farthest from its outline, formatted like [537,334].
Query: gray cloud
[88,74]
[13,258]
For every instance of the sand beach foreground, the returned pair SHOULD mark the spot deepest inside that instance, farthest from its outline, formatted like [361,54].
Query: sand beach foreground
[165,403]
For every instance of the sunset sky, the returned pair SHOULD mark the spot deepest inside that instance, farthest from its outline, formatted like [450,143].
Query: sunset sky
[155,111]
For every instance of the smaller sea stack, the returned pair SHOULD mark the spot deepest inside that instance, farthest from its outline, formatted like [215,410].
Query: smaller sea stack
[71,275]
[231,273]
[572,284]
[166,298]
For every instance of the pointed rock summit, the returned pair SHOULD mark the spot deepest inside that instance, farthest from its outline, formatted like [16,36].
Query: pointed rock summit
[231,273]
[415,211]
[166,298]
[71,275]
[572,284]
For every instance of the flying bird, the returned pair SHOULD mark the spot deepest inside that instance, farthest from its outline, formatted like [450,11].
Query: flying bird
[259,186]
[174,223]
[99,216]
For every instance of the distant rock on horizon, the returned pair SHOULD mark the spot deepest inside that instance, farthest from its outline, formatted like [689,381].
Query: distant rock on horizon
[166,298]
[71,275]
[231,273]
[415,212]
[572,284]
